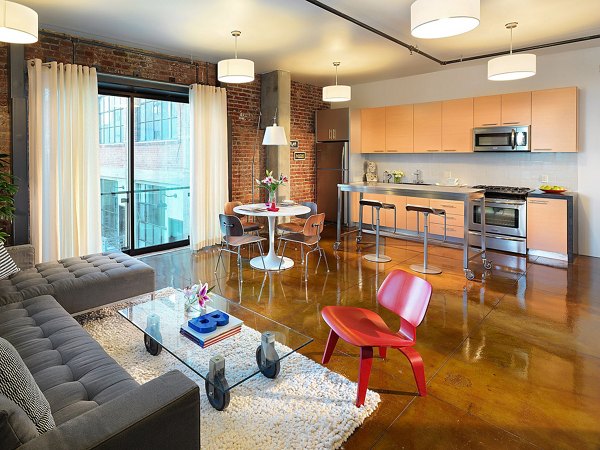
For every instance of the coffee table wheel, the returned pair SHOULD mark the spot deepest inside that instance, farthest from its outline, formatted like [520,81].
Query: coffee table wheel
[153,347]
[469,274]
[358,239]
[270,369]
[487,264]
[218,395]
[336,245]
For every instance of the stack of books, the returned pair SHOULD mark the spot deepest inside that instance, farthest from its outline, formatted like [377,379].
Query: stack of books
[198,329]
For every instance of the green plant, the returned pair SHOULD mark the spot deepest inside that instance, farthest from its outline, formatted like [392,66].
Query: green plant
[7,192]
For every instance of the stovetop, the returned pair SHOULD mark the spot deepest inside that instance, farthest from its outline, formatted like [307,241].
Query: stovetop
[504,191]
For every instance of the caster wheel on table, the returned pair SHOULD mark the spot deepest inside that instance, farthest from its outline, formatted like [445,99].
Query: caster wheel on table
[153,347]
[469,274]
[269,370]
[487,264]
[336,246]
[218,395]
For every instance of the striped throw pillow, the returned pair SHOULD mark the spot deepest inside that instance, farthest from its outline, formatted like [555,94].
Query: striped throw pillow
[7,265]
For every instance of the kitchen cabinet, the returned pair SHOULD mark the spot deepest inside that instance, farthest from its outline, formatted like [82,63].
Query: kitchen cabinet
[367,213]
[428,127]
[455,218]
[372,130]
[457,125]
[332,125]
[516,109]
[554,120]
[400,202]
[399,129]
[547,225]
[411,216]
[487,111]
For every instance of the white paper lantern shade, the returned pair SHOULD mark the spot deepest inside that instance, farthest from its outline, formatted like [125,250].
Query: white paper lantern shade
[18,23]
[433,19]
[512,67]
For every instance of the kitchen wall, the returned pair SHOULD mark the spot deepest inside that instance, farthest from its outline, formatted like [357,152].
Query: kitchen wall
[579,172]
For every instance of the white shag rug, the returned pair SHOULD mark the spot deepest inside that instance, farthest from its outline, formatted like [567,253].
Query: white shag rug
[306,407]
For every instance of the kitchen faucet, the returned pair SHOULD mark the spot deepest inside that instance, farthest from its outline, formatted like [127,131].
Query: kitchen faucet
[418,177]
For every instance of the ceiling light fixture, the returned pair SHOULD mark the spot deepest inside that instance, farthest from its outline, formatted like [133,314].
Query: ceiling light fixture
[18,23]
[235,70]
[511,66]
[337,92]
[431,19]
[274,134]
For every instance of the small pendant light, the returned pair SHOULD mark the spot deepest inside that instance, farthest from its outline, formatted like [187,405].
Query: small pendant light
[337,92]
[274,134]
[512,66]
[18,23]
[235,70]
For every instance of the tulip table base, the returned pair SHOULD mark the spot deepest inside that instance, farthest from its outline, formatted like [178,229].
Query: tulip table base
[271,262]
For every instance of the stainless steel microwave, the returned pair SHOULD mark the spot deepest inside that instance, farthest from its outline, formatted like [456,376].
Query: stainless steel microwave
[502,139]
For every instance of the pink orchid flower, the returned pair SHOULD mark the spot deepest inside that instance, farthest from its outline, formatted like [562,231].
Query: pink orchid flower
[203,297]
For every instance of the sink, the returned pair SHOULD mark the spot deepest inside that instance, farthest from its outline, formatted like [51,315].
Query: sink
[416,184]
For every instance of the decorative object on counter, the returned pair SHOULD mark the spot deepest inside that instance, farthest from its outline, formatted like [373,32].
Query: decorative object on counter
[552,189]
[196,296]
[336,92]
[432,19]
[511,66]
[370,172]
[235,70]
[271,184]
[418,177]
[398,175]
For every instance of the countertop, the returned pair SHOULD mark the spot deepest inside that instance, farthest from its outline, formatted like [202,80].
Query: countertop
[564,196]
[408,189]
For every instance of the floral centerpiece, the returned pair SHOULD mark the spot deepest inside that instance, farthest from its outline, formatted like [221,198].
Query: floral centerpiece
[196,294]
[398,174]
[271,184]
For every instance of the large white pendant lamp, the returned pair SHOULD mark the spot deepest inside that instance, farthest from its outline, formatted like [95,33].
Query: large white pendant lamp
[431,19]
[511,66]
[337,92]
[235,70]
[18,23]
[274,134]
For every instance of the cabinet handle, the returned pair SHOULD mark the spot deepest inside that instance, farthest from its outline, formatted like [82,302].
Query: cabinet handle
[432,150]
[334,133]
[510,123]
[542,149]
[449,150]
[330,133]
[488,124]
[539,202]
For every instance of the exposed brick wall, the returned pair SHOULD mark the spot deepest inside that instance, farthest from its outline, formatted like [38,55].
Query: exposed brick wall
[243,102]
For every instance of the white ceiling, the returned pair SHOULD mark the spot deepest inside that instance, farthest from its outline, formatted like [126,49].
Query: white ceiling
[299,37]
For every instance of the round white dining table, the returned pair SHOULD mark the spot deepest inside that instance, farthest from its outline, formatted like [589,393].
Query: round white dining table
[272,261]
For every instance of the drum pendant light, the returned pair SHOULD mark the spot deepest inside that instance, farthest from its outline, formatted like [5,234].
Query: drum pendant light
[511,66]
[235,70]
[431,19]
[18,23]
[336,92]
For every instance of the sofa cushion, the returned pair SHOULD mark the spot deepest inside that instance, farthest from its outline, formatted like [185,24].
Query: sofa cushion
[72,370]
[16,427]
[81,283]
[7,265]
[17,384]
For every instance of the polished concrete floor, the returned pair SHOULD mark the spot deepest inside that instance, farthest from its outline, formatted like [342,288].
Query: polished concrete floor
[512,359]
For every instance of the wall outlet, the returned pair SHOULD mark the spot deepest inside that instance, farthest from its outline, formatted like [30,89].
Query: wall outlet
[543,178]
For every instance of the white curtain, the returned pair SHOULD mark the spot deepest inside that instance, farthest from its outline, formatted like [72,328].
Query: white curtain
[209,163]
[64,173]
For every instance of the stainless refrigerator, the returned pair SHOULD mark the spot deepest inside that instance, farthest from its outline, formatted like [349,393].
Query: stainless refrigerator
[332,168]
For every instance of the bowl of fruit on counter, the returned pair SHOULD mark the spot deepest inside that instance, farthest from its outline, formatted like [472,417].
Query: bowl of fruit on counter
[548,189]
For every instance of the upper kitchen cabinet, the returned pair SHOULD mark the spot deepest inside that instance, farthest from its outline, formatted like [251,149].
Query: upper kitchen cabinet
[487,111]
[428,127]
[372,130]
[332,125]
[399,129]
[516,109]
[457,125]
[554,120]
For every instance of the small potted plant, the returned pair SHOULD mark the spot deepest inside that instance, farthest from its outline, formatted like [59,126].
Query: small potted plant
[398,174]
[7,192]
[197,295]
[271,184]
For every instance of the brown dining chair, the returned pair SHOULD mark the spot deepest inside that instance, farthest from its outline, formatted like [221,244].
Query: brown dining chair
[249,225]
[234,238]
[296,225]
[310,236]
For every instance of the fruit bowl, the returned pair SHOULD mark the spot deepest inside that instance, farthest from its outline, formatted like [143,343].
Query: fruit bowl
[553,189]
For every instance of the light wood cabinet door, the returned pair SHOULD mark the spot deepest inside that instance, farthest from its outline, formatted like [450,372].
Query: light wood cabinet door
[354,197]
[554,120]
[457,125]
[373,130]
[547,225]
[428,127]
[516,109]
[487,111]
[399,129]
[411,216]
[400,202]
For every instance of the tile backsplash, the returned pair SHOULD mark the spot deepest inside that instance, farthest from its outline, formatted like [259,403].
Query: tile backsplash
[504,169]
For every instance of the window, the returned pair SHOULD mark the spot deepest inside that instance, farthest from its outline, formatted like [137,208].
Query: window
[150,207]
[113,216]
[156,120]
[111,112]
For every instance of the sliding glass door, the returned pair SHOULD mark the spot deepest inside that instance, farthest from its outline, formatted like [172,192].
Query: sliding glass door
[144,160]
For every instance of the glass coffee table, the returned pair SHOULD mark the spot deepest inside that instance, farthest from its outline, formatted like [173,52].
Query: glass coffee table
[259,347]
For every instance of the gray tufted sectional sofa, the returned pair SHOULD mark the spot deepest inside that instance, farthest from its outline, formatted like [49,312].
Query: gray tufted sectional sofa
[94,402]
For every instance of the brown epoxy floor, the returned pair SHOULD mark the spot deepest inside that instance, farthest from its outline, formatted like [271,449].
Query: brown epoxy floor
[512,361]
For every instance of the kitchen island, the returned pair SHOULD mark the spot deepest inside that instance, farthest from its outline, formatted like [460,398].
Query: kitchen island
[457,193]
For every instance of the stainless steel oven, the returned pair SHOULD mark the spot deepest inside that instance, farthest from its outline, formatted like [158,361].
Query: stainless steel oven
[501,139]
[505,221]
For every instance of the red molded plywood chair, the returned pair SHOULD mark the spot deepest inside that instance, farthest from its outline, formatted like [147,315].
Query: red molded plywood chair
[402,293]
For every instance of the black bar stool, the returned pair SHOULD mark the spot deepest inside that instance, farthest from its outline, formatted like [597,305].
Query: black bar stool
[426,210]
[375,206]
